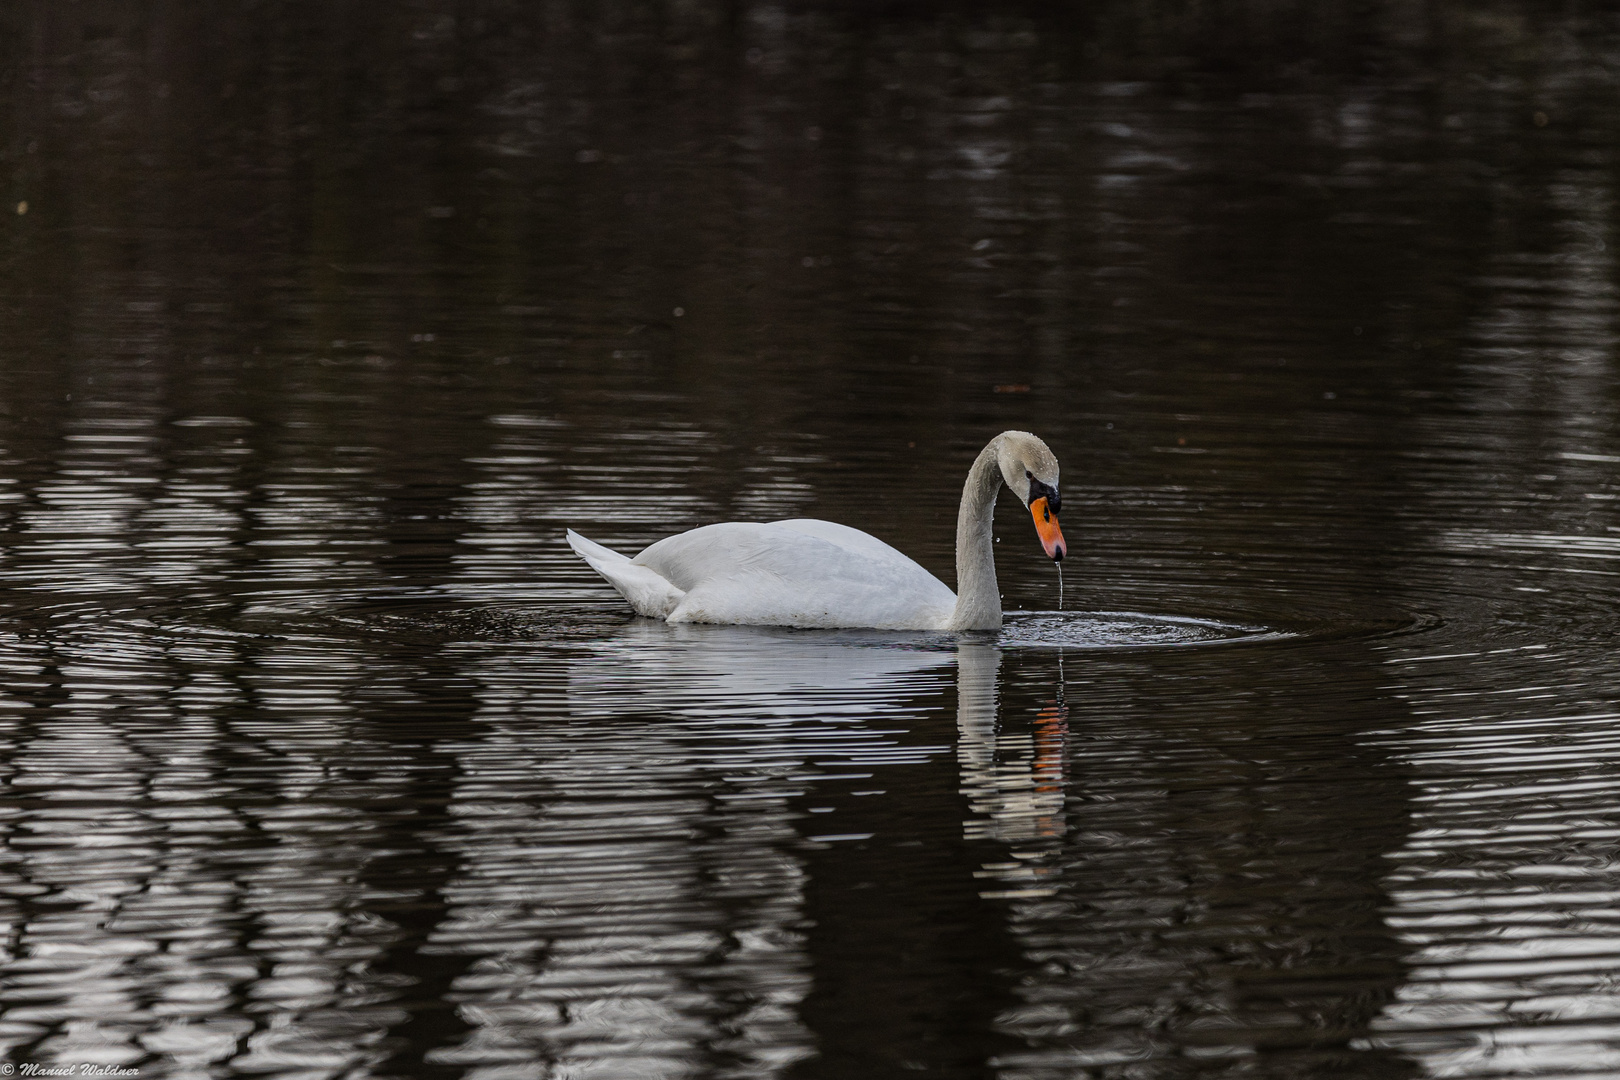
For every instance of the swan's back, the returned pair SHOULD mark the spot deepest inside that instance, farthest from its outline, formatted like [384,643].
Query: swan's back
[801,572]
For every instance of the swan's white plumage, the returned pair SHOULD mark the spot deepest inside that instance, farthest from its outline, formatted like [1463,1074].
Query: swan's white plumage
[809,573]
[781,573]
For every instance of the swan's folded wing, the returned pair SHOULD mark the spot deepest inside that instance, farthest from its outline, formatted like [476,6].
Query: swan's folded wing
[782,574]
[648,592]
[851,540]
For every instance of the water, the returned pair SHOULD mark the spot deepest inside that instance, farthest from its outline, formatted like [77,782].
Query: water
[326,758]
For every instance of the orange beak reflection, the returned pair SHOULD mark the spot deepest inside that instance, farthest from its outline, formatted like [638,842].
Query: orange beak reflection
[1046,527]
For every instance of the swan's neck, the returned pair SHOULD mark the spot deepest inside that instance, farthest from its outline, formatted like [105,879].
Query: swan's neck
[978,600]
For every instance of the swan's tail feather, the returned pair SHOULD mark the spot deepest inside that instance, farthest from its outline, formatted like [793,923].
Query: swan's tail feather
[589,549]
[645,590]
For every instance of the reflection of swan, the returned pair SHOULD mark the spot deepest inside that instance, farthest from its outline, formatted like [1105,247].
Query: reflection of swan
[816,573]
[752,691]
[1021,795]
[719,671]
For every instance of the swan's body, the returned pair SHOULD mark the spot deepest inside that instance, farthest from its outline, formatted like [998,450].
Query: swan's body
[810,573]
[784,573]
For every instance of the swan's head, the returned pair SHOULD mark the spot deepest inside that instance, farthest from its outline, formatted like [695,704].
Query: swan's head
[1030,469]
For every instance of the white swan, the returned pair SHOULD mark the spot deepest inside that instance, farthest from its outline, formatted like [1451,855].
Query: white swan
[812,573]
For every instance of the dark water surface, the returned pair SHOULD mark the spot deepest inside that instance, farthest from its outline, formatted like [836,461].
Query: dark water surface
[324,757]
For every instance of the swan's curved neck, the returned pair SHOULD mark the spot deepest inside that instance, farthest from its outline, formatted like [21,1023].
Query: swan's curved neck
[978,600]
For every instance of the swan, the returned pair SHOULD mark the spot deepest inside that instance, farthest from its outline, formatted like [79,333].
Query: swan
[810,573]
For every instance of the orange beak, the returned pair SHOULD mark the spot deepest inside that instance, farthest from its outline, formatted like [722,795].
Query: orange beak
[1046,527]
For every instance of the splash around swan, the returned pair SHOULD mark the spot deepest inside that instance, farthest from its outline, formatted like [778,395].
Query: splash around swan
[810,573]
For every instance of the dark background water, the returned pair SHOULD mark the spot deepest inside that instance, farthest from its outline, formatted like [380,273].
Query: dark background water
[326,758]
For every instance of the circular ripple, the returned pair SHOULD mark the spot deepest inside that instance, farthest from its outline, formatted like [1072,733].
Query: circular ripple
[1135,630]
[1125,630]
